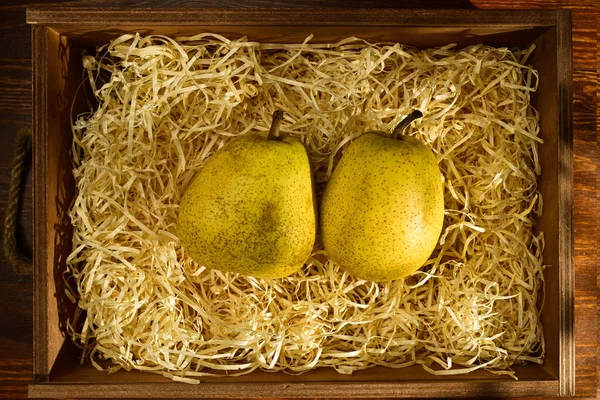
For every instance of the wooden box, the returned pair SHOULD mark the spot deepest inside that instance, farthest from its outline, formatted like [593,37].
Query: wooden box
[60,35]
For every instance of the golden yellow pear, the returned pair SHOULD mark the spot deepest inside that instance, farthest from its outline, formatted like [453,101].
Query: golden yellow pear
[250,210]
[383,208]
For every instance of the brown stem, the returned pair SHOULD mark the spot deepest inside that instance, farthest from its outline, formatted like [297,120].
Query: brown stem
[275,125]
[416,114]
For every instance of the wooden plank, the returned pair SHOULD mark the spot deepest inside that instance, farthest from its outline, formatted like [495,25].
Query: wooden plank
[596,387]
[16,338]
[292,16]
[584,24]
[41,366]
[298,390]
[586,232]
[565,193]
[52,190]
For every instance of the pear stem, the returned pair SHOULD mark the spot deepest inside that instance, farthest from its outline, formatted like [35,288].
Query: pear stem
[275,125]
[416,114]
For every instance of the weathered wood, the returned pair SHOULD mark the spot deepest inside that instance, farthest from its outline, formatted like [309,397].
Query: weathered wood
[565,194]
[586,230]
[57,17]
[299,390]
[40,283]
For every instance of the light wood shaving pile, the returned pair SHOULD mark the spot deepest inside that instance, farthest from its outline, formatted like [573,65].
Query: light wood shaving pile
[164,106]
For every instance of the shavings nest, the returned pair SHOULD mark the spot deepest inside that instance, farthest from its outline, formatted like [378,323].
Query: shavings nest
[164,106]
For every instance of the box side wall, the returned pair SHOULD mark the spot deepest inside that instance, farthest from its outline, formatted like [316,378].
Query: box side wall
[54,189]
[566,206]
[284,389]
[420,36]
[354,17]
[545,100]
[553,100]
[41,348]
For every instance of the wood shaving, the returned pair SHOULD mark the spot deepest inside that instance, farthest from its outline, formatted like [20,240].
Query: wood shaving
[164,106]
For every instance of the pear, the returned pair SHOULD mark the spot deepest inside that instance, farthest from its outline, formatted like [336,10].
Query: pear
[383,208]
[251,209]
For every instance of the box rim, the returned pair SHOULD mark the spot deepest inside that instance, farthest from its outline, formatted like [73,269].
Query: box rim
[486,389]
[40,280]
[566,196]
[42,19]
[299,16]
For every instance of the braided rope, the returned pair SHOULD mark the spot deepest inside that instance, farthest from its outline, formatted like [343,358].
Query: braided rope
[22,149]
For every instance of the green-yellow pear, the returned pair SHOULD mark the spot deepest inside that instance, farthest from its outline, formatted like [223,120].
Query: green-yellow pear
[383,208]
[250,209]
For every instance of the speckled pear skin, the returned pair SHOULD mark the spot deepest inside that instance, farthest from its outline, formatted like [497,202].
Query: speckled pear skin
[383,208]
[250,210]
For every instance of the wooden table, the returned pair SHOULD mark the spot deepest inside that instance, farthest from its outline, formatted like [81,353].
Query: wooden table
[15,113]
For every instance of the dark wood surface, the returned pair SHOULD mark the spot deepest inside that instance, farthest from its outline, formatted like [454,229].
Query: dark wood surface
[15,113]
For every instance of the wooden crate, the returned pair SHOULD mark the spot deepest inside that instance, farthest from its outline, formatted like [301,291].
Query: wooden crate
[60,35]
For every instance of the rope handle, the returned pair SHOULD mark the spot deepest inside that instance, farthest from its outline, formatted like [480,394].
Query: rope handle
[18,262]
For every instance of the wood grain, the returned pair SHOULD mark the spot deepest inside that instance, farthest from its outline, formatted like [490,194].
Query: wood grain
[303,390]
[584,24]
[566,210]
[296,17]
[596,329]
[15,112]
[586,229]
[15,338]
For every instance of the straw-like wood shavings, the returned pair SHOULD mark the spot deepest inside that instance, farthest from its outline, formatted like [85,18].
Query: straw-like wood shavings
[165,106]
